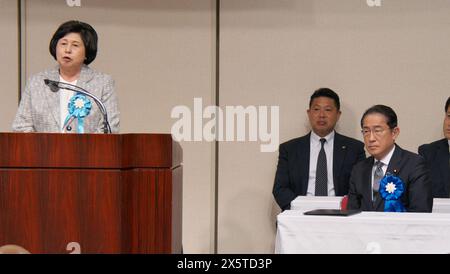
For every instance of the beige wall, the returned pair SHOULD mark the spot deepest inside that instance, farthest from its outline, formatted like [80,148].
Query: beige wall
[272,53]
[279,52]
[9,76]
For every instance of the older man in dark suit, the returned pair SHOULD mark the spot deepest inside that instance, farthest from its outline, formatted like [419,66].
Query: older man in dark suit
[437,156]
[320,162]
[379,128]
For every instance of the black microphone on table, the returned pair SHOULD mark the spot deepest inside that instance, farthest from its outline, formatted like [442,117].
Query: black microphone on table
[55,86]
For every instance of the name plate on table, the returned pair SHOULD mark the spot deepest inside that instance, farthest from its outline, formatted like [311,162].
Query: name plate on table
[332,212]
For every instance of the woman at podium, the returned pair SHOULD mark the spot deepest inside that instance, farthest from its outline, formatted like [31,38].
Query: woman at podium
[70,97]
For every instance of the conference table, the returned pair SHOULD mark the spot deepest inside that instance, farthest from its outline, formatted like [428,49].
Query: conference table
[365,232]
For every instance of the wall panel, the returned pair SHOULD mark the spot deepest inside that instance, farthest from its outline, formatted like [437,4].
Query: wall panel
[9,66]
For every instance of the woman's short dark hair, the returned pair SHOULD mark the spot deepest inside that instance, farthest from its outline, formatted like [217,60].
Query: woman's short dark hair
[447,104]
[389,113]
[87,33]
[326,92]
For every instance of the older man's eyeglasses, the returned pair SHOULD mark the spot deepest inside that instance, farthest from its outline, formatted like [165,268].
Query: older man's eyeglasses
[378,131]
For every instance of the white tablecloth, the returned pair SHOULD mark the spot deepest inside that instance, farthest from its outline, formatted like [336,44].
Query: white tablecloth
[366,232]
[305,203]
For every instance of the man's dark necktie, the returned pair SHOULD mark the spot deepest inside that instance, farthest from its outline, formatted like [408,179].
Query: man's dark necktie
[321,172]
[377,176]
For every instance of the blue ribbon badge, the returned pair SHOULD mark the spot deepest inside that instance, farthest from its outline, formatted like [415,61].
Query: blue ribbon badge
[79,107]
[391,189]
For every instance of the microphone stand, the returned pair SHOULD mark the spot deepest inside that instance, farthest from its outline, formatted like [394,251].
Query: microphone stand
[54,86]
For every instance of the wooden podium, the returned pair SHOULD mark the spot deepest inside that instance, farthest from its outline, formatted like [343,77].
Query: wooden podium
[91,193]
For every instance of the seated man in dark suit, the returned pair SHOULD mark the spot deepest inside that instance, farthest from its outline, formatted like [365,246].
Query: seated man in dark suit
[320,162]
[379,128]
[437,156]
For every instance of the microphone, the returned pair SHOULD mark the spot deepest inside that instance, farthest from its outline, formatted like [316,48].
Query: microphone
[55,86]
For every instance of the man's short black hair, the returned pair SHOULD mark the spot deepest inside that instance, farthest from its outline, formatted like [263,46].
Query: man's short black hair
[326,92]
[389,113]
[87,33]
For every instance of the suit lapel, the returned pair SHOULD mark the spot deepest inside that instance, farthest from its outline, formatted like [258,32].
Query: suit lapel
[394,169]
[86,75]
[443,159]
[339,153]
[52,98]
[303,156]
[395,162]
[366,188]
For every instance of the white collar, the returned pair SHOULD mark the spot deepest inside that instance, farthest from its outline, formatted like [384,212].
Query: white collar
[386,159]
[316,138]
